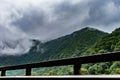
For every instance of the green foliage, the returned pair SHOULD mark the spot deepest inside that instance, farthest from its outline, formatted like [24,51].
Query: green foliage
[84,71]
[60,70]
[99,68]
[117,46]
[102,51]
[51,72]
[115,68]
[109,43]
[34,74]
[115,71]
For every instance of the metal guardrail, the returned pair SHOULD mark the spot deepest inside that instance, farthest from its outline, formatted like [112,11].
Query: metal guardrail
[77,62]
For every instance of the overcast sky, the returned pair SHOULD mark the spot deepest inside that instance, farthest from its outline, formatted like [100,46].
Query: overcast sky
[50,19]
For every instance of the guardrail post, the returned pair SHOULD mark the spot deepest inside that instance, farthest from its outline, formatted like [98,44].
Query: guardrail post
[77,69]
[3,72]
[28,71]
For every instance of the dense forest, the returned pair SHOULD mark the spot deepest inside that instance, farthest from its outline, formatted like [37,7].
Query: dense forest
[109,43]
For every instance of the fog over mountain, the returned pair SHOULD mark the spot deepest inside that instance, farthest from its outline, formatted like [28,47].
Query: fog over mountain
[49,19]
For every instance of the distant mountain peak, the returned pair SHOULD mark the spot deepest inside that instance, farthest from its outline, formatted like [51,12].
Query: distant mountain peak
[90,29]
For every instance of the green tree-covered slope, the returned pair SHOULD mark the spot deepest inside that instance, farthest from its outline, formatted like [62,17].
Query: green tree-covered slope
[72,45]
[109,43]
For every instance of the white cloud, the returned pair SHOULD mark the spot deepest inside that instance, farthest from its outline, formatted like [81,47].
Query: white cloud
[50,19]
[14,47]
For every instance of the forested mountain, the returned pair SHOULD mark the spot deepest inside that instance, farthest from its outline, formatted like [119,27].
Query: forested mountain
[109,43]
[72,45]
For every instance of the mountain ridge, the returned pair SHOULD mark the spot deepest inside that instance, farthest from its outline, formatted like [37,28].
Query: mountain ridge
[69,46]
[59,48]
